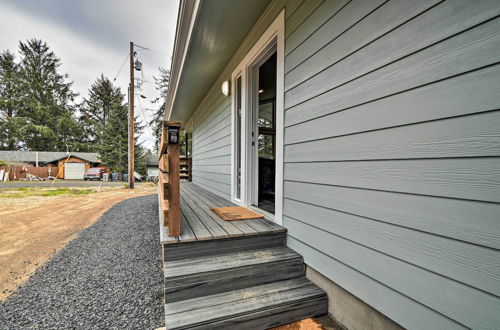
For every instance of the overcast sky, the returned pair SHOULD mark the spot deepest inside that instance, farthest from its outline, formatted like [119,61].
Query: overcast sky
[92,37]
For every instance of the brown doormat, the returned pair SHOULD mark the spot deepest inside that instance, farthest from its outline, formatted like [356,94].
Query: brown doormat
[236,213]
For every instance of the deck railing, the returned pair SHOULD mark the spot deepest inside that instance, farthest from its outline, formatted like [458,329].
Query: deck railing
[168,185]
[185,168]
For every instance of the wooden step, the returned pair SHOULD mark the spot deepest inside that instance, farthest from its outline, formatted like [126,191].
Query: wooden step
[259,307]
[201,248]
[196,277]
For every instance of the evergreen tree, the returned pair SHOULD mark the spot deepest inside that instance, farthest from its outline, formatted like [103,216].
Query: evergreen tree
[162,82]
[46,111]
[96,109]
[9,102]
[113,148]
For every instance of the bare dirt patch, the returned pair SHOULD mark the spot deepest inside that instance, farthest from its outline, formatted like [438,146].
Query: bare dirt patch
[36,226]
[319,323]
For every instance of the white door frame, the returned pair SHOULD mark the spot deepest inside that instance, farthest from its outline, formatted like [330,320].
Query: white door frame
[274,36]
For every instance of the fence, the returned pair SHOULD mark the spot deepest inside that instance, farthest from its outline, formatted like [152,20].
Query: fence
[185,167]
[20,172]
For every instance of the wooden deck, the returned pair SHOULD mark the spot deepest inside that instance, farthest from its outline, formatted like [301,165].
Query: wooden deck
[199,223]
[232,274]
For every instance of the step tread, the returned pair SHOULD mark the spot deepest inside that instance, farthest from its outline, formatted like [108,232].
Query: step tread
[238,303]
[223,262]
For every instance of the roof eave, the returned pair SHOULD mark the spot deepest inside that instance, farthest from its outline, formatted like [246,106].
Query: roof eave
[185,22]
[207,37]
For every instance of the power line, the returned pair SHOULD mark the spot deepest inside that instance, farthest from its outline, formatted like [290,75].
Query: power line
[120,70]
[144,116]
[154,51]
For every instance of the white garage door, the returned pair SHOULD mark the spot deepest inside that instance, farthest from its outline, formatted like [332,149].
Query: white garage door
[74,171]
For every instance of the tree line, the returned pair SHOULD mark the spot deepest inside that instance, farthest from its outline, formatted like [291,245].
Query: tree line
[39,111]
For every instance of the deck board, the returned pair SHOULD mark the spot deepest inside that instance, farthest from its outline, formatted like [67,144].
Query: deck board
[199,223]
[202,230]
[206,215]
[257,225]
[187,234]
[207,203]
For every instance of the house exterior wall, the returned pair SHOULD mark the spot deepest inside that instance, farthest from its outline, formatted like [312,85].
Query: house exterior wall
[391,168]
[152,170]
[212,147]
[211,122]
[60,164]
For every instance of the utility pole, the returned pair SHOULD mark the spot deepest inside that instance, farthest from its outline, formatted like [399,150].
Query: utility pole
[131,120]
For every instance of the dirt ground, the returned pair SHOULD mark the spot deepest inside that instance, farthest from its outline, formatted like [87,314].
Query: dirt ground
[33,228]
[320,323]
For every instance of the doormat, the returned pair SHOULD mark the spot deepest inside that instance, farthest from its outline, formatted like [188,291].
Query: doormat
[236,213]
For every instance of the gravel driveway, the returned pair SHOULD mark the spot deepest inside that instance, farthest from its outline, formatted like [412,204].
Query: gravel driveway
[107,278]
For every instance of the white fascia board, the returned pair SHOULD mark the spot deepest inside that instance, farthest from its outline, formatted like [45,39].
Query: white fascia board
[188,10]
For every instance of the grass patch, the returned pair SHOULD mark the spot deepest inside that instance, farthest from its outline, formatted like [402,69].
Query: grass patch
[44,192]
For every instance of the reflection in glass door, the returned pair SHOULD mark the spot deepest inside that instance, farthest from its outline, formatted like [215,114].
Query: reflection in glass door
[265,115]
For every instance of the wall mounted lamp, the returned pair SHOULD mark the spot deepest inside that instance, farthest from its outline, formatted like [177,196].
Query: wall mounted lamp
[225,88]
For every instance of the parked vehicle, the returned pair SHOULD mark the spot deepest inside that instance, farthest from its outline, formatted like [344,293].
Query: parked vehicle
[94,173]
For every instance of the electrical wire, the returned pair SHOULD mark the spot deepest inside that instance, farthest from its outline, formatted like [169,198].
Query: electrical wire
[121,67]
[152,50]
[144,117]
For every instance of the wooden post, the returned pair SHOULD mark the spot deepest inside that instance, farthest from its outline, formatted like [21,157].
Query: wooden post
[173,149]
[169,178]
[131,120]
[164,196]
[190,169]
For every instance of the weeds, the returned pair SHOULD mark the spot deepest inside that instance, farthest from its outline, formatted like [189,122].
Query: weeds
[42,191]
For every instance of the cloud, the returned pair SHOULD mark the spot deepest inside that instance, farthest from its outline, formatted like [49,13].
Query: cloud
[92,37]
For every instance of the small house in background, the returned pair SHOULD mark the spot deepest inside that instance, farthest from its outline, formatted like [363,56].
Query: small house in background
[152,167]
[64,165]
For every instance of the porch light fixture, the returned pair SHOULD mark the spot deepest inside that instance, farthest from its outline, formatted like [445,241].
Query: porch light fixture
[173,135]
[225,88]
[261,91]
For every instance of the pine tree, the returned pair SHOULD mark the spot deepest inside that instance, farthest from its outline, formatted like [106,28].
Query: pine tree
[96,109]
[9,102]
[46,110]
[162,83]
[113,147]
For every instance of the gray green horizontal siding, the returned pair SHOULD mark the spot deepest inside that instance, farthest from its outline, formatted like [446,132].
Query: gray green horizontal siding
[392,154]
[212,147]
[212,119]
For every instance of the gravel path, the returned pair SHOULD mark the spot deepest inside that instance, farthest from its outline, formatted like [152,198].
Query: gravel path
[107,278]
